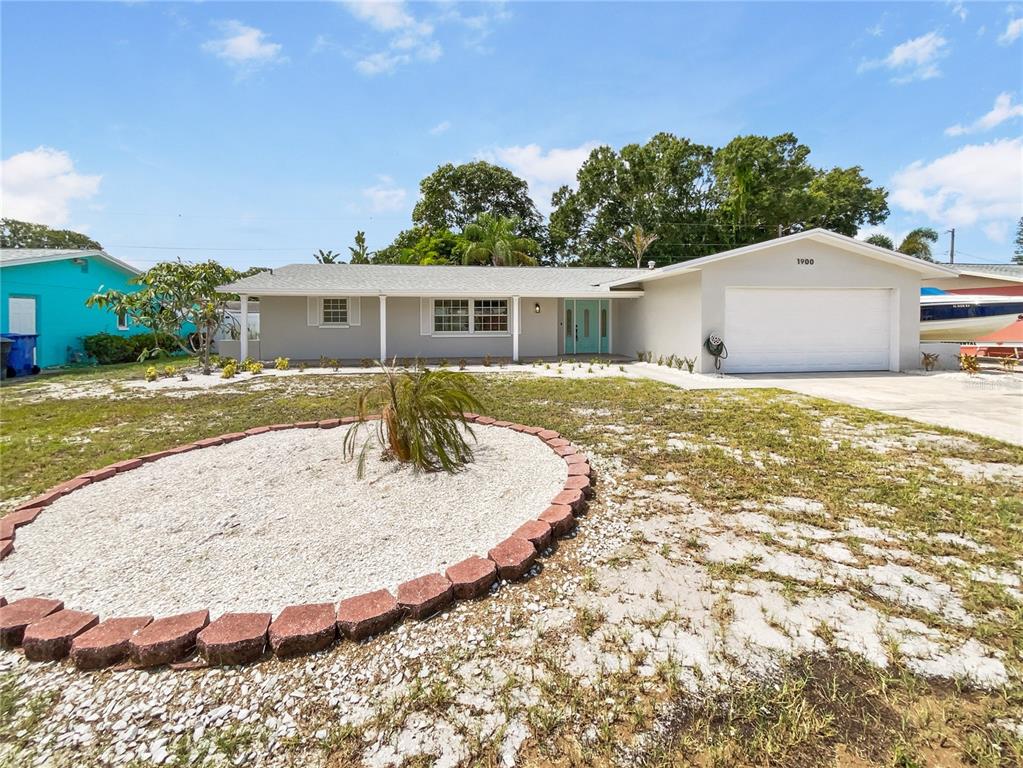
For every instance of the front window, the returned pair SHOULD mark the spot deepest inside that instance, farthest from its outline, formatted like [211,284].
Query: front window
[335,311]
[490,316]
[451,316]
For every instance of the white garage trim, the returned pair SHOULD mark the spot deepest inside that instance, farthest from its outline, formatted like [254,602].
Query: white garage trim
[803,329]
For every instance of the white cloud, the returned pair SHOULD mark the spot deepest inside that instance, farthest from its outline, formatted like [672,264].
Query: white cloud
[243,47]
[442,127]
[1003,110]
[997,231]
[976,185]
[381,63]
[546,171]
[958,9]
[385,195]
[38,186]
[915,59]
[384,15]
[410,38]
[1012,32]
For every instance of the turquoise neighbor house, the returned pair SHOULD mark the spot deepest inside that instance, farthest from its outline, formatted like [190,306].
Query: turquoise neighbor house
[43,291]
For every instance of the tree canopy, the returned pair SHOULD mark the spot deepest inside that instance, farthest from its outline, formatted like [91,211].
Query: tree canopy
[24,234]
[1017,251]
[700,200]
[454,196]
[492,240]
[917,243]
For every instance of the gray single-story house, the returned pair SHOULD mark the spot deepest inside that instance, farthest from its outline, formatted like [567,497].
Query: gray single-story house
[812,301]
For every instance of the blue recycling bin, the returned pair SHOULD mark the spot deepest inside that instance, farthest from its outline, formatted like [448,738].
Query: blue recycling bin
[21,356]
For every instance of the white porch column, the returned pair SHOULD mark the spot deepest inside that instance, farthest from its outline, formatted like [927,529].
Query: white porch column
[383,329]
[515,328]
[243,351]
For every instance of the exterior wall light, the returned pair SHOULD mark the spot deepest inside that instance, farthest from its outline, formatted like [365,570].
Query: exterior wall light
[536,308]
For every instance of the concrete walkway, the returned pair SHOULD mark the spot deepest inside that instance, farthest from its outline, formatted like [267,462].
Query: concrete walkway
[989,404]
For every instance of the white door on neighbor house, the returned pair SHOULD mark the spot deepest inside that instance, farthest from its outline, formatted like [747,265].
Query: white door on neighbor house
[779,330]
[21,314]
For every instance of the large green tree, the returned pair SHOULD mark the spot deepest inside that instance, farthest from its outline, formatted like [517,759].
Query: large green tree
[24,234]
[454,196]
[699,200]
[917,243]
[359,253]
[493,241]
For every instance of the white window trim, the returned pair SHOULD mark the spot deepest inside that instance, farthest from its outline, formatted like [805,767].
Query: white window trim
[122,326]
[348,310]
[472,332]
[314,312]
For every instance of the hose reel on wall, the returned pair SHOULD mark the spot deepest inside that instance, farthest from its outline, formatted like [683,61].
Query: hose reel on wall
[715,345]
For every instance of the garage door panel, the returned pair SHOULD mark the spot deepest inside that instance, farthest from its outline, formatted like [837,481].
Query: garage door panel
[789,330]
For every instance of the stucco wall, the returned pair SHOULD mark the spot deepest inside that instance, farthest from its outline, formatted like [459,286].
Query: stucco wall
[832,268]
[60,289]
[285,332]
[665,321]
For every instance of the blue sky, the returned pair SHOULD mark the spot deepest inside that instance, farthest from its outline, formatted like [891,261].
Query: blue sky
[255,133]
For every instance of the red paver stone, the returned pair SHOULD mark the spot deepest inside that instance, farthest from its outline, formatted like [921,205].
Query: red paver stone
[6,529]
[485,420]
[14,618]
[579,483]
[279,427]
[579,469]
[101,474]
[471,577]
[470,416]
[42,500]
[156,455]
[208,442]
[560,518]
[6,547]
[22,516]
[365,615]
[69,486]
[49,639]
[502,424]
[167,639]
[513,557]
[518,427]
[548,434]
[558,442]
[425,596]
[537,532]
[533,430]
[257,430]
[231,437]
[180,449]
[349,419]
[576,458]
[106,643]
[303,629]
[565,450]
[329,423]
[124,466]
[573,498]
[234,638]
[307,424]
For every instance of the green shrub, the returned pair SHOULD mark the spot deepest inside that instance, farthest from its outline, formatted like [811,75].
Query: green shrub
[422,418]
[152,374]
[107,348]
[229,370]
[169,370]
[253,366]
[282,363]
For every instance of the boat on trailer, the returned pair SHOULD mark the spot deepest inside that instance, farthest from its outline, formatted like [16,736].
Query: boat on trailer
[959,317]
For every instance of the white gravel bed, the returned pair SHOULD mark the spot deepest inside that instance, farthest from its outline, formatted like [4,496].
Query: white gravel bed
[273,520]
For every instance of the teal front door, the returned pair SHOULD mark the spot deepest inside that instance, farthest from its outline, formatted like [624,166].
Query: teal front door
[586,326]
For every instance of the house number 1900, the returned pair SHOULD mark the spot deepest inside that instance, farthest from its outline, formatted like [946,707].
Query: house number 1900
[805,262]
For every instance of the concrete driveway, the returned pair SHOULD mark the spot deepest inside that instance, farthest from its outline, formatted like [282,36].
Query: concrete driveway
[988,404]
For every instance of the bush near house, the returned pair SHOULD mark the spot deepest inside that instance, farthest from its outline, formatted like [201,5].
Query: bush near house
[108,348]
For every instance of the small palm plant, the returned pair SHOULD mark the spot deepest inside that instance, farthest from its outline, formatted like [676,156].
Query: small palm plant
[422,419]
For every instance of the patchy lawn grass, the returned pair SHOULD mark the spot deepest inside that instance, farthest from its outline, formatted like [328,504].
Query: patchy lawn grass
[777,476]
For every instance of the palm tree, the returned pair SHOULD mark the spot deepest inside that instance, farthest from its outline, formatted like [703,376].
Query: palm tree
[326,257]
[493,240]
[637,243]
[917,243]
[359,251]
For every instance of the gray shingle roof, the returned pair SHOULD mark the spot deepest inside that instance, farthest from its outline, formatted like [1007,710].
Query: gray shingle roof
[1013,271]
[397,280]
[12,257]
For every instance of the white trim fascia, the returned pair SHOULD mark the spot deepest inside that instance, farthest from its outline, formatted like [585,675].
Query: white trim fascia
[926,269]
[66,255]
[989,276]
[327,293]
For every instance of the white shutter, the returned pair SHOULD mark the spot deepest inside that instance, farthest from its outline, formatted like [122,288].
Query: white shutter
[313,313]
[425,317]
[354,310]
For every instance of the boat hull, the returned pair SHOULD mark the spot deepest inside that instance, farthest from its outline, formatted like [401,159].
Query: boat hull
[964,329]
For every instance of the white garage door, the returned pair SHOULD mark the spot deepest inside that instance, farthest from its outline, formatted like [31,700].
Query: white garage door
[774,330]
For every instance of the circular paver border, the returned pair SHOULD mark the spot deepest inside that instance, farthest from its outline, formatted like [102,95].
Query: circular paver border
[46,631]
